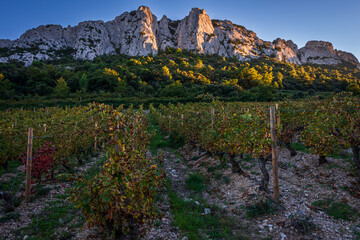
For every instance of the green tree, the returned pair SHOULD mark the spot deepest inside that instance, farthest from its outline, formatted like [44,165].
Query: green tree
[84,83]
[353,87]
[166,73]
[5,87]
[267,78]
[199,64]
[279,79]
[61,89]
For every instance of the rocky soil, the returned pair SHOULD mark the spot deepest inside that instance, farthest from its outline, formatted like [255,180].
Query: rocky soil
[302,182]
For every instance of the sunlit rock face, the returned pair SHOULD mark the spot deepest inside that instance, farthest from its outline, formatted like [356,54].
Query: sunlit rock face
[139,33]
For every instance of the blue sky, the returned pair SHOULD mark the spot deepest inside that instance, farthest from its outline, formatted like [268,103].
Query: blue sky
[336,21]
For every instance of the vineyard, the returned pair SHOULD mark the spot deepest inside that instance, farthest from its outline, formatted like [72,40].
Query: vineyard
[235,130]
[123,194]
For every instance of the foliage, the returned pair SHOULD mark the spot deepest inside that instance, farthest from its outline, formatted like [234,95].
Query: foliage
[42,161]
[125,190]
[260,209]
[61,89]
[194,71]
[338,210]
[195,182]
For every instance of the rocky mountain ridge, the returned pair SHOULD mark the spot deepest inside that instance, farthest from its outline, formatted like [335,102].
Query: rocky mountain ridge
[139,33]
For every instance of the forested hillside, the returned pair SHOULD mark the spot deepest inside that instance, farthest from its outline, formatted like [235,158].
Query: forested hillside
[173,73]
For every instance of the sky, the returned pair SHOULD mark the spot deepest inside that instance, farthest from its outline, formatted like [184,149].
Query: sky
[335,21]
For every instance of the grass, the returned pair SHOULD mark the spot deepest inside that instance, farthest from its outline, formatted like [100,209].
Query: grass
[189,217]
[260,208]
[222,165]
[13,165]
[338,210]
[302,224]
[59,213]
[195,182]
[10,216]
[159,141]
[45,225]
[300,147]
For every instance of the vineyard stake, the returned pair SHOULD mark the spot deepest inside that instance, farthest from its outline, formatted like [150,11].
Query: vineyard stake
[29,165]
[95,142]
[274,155]
[117,130]
[169,124]
[212,116]
[182,119]
[278,115]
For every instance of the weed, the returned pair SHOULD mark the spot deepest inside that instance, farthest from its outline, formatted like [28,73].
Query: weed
[302,224]
[46,224]
[259,209]
[195,182]
[190,218]
[299,147]
[338,210]
[333,165]
[226,180]
[194,158]
[222,165]
[218,176]
[159,141]
[10,216]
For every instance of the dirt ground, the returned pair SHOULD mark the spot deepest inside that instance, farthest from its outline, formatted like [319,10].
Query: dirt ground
[302,182]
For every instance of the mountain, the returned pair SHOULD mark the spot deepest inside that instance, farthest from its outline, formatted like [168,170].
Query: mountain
[139,33]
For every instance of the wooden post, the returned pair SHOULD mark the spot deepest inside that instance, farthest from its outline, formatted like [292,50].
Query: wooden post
[117,130]
[212,116]
[182,119]
[29,165]
[169,124]
[274,154]
[278,115]
[95,141]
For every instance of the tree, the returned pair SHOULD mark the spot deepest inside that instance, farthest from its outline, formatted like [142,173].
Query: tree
[84,83]
[251,77]
[61,89]
[5,87]
[199,64]
[279,78]
[267,78]
[166,73]
[353,87]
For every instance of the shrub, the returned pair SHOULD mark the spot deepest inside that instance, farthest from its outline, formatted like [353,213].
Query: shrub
[42,161]
[122,196]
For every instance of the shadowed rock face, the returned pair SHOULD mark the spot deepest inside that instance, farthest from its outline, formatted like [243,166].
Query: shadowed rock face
[139,33]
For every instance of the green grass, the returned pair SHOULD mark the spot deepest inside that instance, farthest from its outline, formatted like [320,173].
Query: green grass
[222,165]
[300,147]
[195,182]
[159,141]
[260,209]
[189,217]
[338,210]
[14,184]
[45,224]
[13,165]
[10,216]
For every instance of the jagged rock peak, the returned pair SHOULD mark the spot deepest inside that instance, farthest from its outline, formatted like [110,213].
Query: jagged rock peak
[139,33]
[319,52]
[192,30]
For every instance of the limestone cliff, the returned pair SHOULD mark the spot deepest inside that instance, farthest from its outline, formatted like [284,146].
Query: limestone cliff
[139,33]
